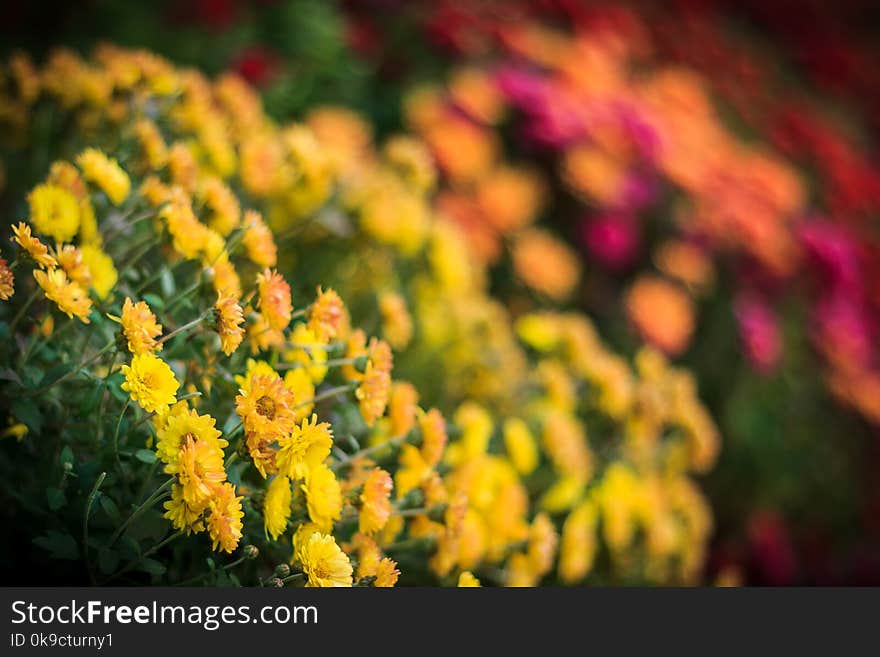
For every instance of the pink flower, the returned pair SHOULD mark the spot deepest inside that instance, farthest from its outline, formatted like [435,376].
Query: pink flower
[759,332]
[611,239]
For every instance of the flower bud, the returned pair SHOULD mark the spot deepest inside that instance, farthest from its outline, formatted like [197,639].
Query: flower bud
[251,551]
[282,570]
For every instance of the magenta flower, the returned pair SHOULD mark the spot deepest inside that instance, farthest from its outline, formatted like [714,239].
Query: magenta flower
[759,332]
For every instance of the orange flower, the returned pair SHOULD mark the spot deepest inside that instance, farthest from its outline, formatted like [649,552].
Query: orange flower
[375,501]
[432,426]
[70,297]
[228,319]
[274,300]
[545,264]
[372,393]
[662,312]
[266,406]
[258,240]
[139,326]
[402,407]
[7,281]
[326,314]
[33,246]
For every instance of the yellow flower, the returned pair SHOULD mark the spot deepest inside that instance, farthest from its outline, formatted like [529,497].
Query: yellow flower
[310,351]
[228,319]
[324,564]
[265,407]
[106,173]
[54,211]
[397,325]
[375,501]
[520,445]
[104,275]
[577,548]
[565,442]
[139,327]
[402,407]
[387,573]
[150,382]
[326,314]
[225,210]
[276,507]
[258,240]
[274,299]
[7,281]
[372,393]
[432,426]
[224,518]
[542,544]
[225,279]
[71,261]
[182,515]
[300,384]
[70,298]
[300,538]
[304,448]
[323,496]
[181,423]
[199,469]
[33,246]
[467,579]
[151,142]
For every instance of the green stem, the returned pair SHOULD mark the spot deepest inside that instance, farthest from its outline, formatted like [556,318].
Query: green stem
[145,505]
[89,502]
[75,370]
[116,433]
[23,310]
[146,554]
[332,392]
[368,451]
[104,395]
[180,329]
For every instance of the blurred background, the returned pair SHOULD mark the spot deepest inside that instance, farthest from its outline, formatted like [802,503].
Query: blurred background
[710,166]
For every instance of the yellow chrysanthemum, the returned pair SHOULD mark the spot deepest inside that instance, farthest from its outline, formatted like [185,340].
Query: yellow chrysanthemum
[397,324]
[323,496]
[310,351]
[258,240]
[228,317]
[224,518]
[300,384]
[182,423]
[106,173]
[153,146]
[520,445]
[71,261]
[183,516]
[223,204]
[467,580]
[433,430]
[578,545]
[375,501]
[324,563]
[276,507]
[54,212]
[266,407]
[300,538]
[139,326]
[542,544]
[33,246]
[387,573]
[150,382]
[101,268]
[304,448]
[70,298]
[402,406]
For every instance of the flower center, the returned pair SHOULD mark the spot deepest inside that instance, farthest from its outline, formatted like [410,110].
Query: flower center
[266,407]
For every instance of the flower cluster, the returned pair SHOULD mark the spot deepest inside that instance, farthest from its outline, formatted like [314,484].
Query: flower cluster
[201,253]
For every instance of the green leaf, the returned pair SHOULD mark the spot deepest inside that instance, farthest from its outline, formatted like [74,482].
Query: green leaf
[110,508]
[154,301]
[56,498]
[27,411]
[11,375]
[31,376]
[66,455]
[115,386]
[59,546]
[90,401]
[168,286]
[107,560]
[54,374]
[145,456]
[151,566]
